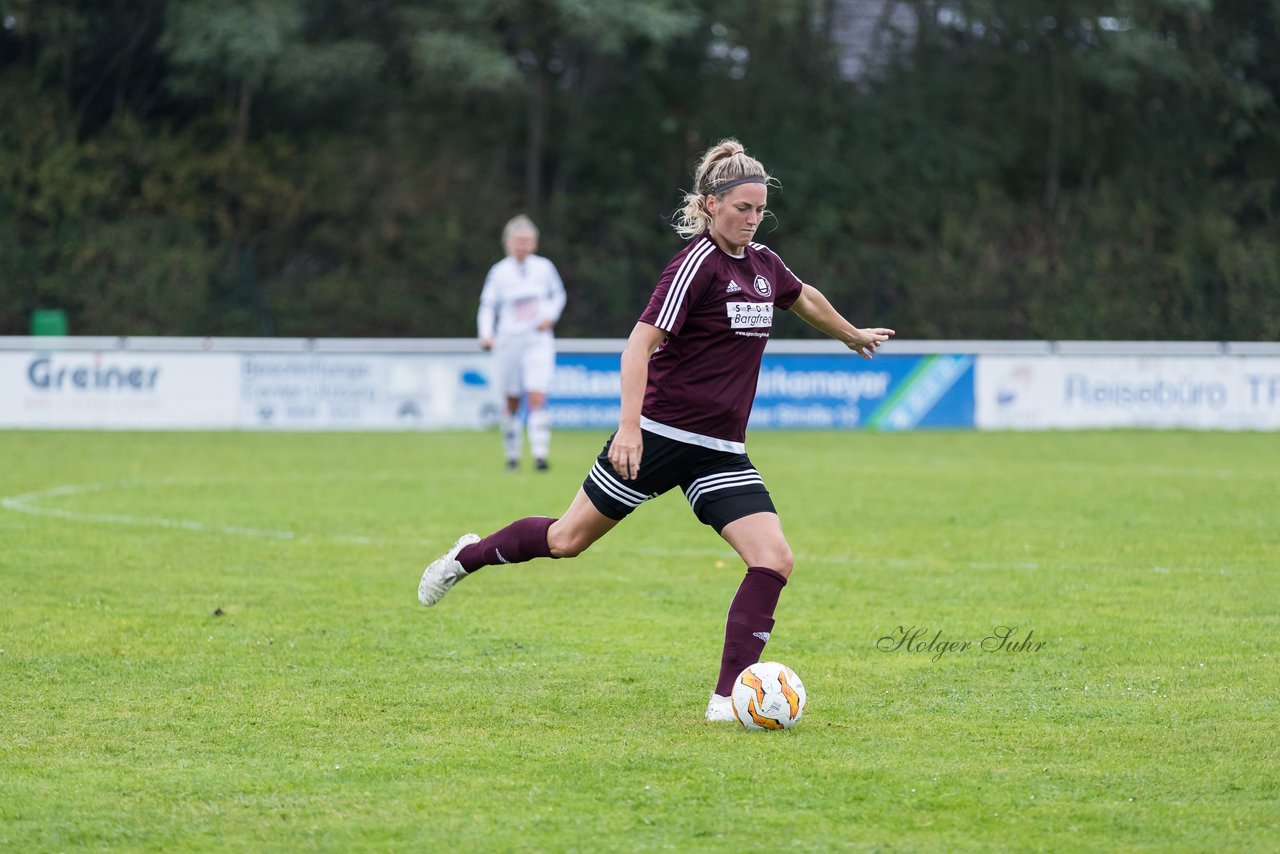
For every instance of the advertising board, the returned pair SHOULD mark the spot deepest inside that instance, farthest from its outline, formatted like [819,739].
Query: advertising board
[118,389]
[797,391]
[375,391]
[1077,392]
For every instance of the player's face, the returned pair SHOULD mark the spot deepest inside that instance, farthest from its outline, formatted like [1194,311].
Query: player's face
[736,215]
[521,245]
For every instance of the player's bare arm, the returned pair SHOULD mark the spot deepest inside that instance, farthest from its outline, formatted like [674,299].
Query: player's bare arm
[817,311]
[627,447]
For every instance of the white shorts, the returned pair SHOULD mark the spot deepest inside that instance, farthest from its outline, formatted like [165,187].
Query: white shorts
[525,363]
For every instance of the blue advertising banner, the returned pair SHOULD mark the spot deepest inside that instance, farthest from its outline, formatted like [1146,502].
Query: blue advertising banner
[798,391]
[586,390]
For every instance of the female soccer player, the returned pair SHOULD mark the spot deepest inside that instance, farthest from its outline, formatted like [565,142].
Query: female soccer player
[520,303]
[689,374]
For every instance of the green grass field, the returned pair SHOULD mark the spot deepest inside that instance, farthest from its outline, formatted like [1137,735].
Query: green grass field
[212,641]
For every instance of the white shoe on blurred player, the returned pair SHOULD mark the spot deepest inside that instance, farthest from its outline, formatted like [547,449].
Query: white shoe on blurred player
[720,709]
[443,572]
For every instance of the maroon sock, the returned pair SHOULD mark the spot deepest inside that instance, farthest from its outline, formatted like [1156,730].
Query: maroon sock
[750,620]
[522,540]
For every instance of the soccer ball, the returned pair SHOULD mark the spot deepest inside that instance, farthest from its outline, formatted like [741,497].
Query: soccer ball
[768,695]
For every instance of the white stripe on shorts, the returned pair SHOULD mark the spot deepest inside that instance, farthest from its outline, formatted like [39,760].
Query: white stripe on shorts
[615,490]
[714,482]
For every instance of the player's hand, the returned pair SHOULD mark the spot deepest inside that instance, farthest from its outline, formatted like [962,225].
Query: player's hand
[865,342]
[625,451]
[545,326]
[486,343]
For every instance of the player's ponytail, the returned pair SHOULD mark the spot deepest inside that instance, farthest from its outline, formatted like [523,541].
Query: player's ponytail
[724,166]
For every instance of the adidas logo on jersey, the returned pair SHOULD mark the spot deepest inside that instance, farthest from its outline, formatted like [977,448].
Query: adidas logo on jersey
[733,287]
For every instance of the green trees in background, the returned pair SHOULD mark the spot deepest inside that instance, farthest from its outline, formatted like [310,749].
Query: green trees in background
[1001,169]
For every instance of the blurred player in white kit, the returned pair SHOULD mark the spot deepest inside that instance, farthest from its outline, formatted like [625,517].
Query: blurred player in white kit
[519,306]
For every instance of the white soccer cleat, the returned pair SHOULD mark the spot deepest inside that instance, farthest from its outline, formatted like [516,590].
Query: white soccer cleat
[443,572]
[720,709]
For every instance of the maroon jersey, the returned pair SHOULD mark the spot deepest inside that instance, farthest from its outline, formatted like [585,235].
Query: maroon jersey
[717,311]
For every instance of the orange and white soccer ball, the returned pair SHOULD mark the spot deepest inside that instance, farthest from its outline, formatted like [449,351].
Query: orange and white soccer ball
[768,695]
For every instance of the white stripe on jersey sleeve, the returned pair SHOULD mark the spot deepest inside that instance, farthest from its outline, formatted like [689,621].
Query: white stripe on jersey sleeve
[680,285]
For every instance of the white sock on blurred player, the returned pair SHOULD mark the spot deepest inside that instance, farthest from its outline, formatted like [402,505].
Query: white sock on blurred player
[511,438]
[540,433]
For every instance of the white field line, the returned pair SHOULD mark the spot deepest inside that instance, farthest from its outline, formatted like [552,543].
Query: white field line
[32,503]
[26,503]
[726,554]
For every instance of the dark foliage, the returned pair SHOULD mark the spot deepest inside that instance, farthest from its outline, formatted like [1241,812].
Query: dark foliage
[1032,169]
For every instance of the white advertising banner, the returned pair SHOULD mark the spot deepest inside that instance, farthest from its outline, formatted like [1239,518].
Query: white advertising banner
[117,389]
[127,389]
[1076,392]
[78,386]
[376,391]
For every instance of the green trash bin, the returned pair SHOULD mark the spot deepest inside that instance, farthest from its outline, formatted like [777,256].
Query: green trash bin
[48,321]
